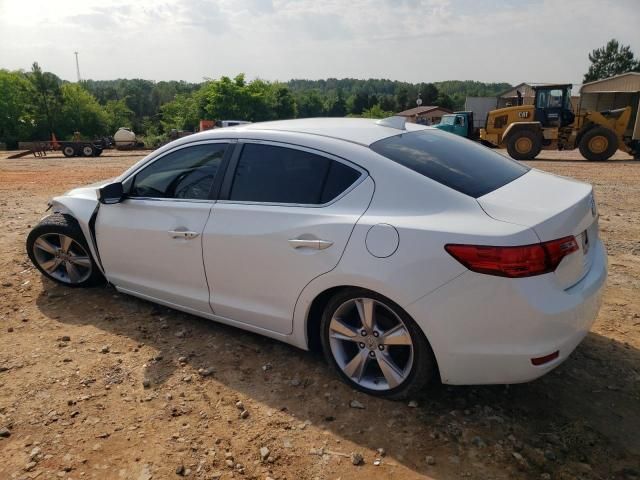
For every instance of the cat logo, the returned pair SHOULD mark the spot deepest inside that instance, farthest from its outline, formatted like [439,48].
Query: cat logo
[523,114]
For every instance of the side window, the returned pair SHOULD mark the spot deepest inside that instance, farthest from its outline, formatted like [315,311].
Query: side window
[270,174]
[187,173]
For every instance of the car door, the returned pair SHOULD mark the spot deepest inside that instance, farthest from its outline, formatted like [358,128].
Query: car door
[150,244]
[284,217]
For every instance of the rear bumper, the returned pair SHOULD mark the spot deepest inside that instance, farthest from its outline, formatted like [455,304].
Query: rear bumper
[486,330]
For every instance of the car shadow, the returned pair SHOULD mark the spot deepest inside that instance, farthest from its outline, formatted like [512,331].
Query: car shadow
[584,412]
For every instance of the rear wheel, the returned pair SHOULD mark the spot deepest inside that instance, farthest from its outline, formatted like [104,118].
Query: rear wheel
[598,144]
[69,151]
[524,145]
[88,151]
[57,247]
[375,346]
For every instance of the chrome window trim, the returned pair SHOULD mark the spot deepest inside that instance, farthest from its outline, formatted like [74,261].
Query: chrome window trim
[293,146]
[231,144]
[161,199]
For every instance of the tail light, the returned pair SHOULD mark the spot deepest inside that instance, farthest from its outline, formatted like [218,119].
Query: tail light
[514,262]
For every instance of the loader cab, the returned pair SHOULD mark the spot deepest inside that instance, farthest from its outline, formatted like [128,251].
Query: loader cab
[553,105]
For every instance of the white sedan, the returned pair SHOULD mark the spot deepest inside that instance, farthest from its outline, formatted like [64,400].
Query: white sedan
[401,251]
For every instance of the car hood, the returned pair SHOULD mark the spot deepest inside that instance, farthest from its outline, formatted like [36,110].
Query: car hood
[88,191]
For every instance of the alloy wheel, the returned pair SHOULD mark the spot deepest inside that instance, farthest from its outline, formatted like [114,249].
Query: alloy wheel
[371,344]
[62,257]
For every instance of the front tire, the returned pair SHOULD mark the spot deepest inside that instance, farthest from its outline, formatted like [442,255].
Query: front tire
[375,346]
[57,247]
[598,144]
[524,145]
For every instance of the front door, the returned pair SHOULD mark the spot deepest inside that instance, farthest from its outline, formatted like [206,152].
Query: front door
[284,218]
[150,244]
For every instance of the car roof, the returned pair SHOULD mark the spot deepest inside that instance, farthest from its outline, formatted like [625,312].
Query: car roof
[363,131]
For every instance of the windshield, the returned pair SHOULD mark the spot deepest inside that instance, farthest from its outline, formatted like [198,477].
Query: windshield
[447,120]
[451,160]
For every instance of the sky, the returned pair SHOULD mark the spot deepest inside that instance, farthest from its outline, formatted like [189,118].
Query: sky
[411,40]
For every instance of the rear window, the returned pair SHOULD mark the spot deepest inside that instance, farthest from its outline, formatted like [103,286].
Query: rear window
[451,160]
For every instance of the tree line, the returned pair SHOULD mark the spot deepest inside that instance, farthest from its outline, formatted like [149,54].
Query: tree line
[36,103]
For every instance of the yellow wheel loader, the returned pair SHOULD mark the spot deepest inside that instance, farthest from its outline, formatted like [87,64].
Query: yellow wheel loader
[550,124]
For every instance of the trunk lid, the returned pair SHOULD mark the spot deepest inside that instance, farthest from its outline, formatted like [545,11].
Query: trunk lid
[554,207]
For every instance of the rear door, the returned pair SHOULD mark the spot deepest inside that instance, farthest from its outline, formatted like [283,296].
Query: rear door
[151,243]
[284,217]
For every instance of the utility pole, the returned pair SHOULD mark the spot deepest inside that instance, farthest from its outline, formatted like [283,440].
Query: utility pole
[77,67]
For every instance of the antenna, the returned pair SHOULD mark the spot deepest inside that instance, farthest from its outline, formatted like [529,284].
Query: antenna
[77,67]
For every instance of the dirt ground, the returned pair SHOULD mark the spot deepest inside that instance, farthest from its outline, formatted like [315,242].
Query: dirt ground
[96,384]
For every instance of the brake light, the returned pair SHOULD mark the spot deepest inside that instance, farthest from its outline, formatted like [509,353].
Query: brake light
[514,262]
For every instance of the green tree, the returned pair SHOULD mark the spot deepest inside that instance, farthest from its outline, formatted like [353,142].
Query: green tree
[225,99]
[118,115]
[337,105]
[284,104]
[358,102]
[17,119]
[612,59]
[376,112]
[181,113]
[402,98]
[48,99]
[310,104]
[81,112]
[428,93]
[444,101]
[388,103]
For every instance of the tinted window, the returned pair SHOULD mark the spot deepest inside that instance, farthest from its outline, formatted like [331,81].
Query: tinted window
[340,178]
[450,160]
[186,173]
[282,175]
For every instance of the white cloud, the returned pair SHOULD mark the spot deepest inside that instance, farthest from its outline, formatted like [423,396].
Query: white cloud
[415,40]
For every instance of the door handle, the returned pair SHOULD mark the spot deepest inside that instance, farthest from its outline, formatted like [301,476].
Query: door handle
[183,234]
[314,244]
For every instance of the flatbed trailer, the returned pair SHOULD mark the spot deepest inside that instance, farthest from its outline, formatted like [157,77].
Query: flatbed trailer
[82,148]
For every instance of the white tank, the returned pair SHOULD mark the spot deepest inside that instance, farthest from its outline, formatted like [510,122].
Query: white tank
[124,137]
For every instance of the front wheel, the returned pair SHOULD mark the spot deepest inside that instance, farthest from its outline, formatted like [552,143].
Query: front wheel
[524,145]
[598,144]
[57,248]
[375,346]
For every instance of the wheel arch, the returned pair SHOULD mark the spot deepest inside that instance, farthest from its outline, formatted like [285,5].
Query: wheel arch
[84,211]
[320,301]
[314,315]
[585,128]
[519,126]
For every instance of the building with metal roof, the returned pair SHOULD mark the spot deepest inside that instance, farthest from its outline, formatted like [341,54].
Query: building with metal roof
[612,93]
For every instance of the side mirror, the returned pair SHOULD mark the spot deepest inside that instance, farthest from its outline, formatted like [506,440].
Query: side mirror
[110,194]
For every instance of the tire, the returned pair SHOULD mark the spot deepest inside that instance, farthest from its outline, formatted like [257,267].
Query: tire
[88,151]
[524,144]
[68,151]
[598,144]
[344,345]
[57,247]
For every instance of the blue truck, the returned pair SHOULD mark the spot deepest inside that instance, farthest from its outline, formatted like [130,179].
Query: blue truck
[459,123]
